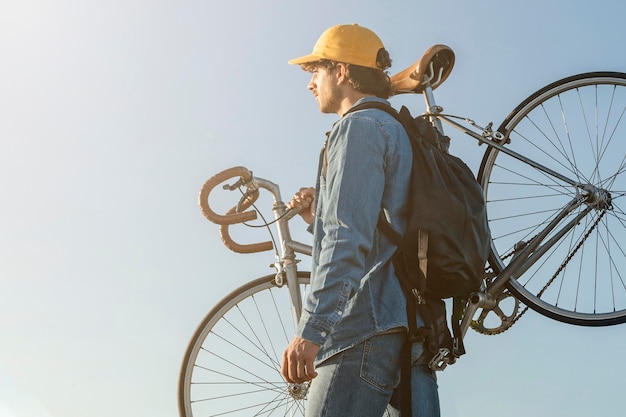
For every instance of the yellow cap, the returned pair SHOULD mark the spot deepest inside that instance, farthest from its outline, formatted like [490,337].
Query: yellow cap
[352,44]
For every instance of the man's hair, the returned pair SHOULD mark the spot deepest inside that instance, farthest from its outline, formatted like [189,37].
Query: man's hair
[363,79]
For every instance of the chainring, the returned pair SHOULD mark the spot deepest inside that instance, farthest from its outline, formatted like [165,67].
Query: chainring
[499,319]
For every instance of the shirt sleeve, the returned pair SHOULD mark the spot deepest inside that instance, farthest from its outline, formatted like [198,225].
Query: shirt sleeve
[351,193]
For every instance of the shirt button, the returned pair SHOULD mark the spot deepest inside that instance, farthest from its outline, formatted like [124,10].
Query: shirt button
[323,334]
[339,313]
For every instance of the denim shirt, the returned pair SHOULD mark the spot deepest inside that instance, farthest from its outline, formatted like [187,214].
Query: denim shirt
[354,292]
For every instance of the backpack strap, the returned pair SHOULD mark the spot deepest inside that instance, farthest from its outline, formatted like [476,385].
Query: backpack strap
[458,348]
[384,107]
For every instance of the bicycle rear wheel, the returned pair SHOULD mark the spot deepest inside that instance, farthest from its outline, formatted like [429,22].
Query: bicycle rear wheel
[576,127]
[232,364]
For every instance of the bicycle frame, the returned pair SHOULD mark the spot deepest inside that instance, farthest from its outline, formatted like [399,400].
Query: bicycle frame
[527,253]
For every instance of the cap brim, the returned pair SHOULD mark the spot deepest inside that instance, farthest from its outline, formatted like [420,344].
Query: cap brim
[304,60]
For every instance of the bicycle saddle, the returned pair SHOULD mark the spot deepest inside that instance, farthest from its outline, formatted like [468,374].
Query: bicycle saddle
[431,69]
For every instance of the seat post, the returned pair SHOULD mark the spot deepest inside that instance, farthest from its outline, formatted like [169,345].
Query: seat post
[431,107]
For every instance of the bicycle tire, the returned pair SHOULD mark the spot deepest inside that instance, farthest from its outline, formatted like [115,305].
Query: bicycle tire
[232,364]
[572,126]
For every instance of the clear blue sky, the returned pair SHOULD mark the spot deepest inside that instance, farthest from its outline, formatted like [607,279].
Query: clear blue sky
[112,115]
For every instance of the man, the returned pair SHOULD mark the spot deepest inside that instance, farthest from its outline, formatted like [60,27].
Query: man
[354,321]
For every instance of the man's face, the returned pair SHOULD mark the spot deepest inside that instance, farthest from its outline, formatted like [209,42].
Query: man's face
[325,89]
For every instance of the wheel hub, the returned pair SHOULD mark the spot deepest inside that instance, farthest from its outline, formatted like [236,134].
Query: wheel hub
[298,391]
[598,198]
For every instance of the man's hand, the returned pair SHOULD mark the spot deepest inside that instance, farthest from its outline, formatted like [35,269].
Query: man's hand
[298,361]
[304,202]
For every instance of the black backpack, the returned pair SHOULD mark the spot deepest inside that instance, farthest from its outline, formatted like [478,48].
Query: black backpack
[445,247]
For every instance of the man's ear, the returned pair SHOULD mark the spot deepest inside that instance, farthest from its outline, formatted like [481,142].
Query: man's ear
[342,73]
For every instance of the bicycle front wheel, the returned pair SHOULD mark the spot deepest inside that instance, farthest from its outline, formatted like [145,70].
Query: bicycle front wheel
[232,364]
[575,127]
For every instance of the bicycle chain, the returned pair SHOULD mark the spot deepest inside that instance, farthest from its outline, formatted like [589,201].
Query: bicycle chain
[491,332]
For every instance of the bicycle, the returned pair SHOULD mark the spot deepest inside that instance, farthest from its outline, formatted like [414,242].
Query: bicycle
[552,175]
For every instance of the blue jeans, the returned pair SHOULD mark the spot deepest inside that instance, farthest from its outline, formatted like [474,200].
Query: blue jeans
[362,381]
